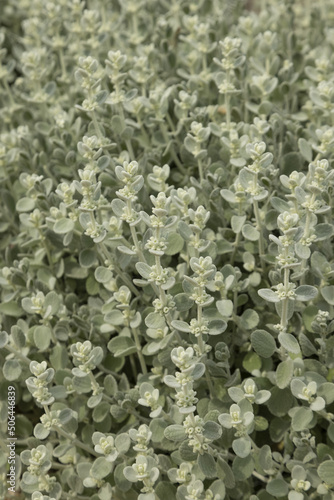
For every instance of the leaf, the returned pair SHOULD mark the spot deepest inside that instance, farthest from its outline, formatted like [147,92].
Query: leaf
[40,432]
[279,204]
[237,222]
[126,250]
[302,251]
[157,427]
[225,307]
[175,244]
[268,295]
[305,149]
[51,303]
[243,467]
[252,362]
[249,319]
[324,231]
[198,371]
[212,430]
[122,442]
[11,370]
[164,490]
[328,294]
[280,402]
[87,258]
[289,342]
[42,337]
[186,452]
[181,326]
[183,302]
[250,233]
[101,468]
[175,432]
[217,326]
[301,419]
[218,489]
[143,269]
[3,339]
[242,447]
[265,458]
[122,346]
[120,480]
[277,488]
[11,308]
[207,465]
[117,205]
[284,373]
[326,472]
[326,390]
[263,343]
[155,320]
[25,205]
[103,274]
[306,292]
[225,473]
[63,226]
[114,318]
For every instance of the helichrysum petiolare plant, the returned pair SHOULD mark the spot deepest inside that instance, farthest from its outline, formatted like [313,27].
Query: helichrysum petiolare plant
[167,267]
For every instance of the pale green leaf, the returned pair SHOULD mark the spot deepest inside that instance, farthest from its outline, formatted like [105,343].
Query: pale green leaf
[263,343]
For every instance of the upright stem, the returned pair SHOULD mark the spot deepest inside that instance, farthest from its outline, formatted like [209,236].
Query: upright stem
[71,437]
[259,228]
[140,354]
[284,317]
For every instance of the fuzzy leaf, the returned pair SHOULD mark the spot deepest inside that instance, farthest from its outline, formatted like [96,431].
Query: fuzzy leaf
[263,343]
[237,222]
[326,472]
[284,373]
[143,269]
[305,149]
[268,295]
[175,244]
[122,346]
[250,233]
[183,302]
[301,419]
[242,447]
[306,292]
[175,432]
[212,430]
[207,465]
[63,226]
[277,488]
[289,342]
[181,326]
[328,294]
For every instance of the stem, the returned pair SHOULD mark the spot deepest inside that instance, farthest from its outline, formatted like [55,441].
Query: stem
[305,236]
[96,125]
[46,248]
[71,437]
[133,366]
[140,354]
[120,273]
[259,227]
[172,152]
[75,441]
[200,171]
[236,244]
[284,317]
[127,141]
[18,354]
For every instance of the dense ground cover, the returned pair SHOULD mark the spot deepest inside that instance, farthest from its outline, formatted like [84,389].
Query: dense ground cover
[167,273]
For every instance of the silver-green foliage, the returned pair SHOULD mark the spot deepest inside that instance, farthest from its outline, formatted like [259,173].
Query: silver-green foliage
[167,268]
